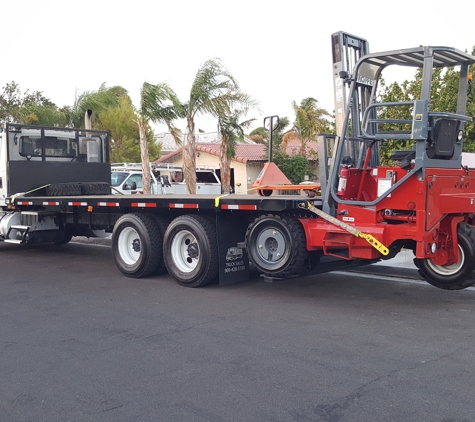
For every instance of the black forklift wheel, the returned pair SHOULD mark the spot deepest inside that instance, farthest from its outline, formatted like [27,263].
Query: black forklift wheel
[456,276]
[276,244]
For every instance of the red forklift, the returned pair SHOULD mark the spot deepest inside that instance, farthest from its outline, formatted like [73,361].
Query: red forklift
[423,202]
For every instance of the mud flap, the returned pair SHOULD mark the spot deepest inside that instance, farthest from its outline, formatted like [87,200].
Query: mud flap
[233,259]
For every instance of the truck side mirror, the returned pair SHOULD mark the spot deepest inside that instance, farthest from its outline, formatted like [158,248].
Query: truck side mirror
[133,186]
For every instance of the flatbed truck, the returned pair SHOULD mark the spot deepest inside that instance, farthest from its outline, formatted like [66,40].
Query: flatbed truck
[366,212]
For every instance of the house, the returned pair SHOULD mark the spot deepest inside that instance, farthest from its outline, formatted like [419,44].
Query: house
[294,146]
[245,167]
[169,144]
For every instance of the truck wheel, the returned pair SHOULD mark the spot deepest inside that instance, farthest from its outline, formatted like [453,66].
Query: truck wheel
[136,245]
[456,276]
[276,244]
[63,237]
[191,250]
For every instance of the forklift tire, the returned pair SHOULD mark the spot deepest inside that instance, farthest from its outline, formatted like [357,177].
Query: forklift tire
[276,245]
[456,276]
[191,250]
[136,245]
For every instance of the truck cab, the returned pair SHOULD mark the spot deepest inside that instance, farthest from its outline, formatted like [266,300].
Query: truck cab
[32,158]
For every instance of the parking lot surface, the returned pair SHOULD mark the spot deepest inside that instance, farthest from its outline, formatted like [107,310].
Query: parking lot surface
[80,342]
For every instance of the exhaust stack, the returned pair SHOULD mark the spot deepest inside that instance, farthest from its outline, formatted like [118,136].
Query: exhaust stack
[87,120]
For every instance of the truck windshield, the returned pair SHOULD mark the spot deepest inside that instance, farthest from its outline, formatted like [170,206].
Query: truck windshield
[118,177]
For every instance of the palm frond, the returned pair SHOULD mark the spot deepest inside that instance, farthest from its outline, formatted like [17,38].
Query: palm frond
[159,103]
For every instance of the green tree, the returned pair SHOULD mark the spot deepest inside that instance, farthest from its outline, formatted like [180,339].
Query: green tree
[120,121]
[295,167]
[11,101]
[231,130]
[216,92]
[158,104]
[444,92]
[97,101]
[261,134]
[31,108]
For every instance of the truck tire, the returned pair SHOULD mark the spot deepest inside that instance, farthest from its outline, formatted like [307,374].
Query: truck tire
[456,276]
[64,189]
[64,236]
[191,250]
[95,188]
[137,245]
[276,244]
[162,222]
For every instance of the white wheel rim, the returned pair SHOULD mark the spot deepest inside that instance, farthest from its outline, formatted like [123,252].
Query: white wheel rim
[129,245]
[185,251]
[448,269]
[271,245]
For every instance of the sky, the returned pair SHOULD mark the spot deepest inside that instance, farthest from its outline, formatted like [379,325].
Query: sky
[279,52]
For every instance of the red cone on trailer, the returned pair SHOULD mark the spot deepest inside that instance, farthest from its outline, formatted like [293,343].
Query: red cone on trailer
[271,175]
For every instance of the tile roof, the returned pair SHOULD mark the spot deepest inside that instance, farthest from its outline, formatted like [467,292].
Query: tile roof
[167,141]
[244,152]
[169,144]
[293,147]
[210,143]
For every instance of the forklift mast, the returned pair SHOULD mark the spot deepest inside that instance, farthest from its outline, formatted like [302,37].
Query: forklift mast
[347,50]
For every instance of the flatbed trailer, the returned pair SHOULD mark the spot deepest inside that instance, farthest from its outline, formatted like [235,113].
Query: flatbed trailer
[200,237]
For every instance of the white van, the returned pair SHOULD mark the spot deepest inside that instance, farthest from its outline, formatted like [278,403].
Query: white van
[126,178]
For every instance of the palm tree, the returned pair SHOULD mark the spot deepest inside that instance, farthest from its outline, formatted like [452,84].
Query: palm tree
[158,104]
[97,101]
[231,131]
[214,91]
[121,122]
[261,134]
[309,122]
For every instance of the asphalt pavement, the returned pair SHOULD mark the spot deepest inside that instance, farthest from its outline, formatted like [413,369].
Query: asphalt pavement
[80,342]
[402,265]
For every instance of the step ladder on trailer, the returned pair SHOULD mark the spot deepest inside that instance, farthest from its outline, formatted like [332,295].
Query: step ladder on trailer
[166,186]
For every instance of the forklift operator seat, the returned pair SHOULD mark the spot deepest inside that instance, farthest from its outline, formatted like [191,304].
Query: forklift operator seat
[440,143]
[442,138]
